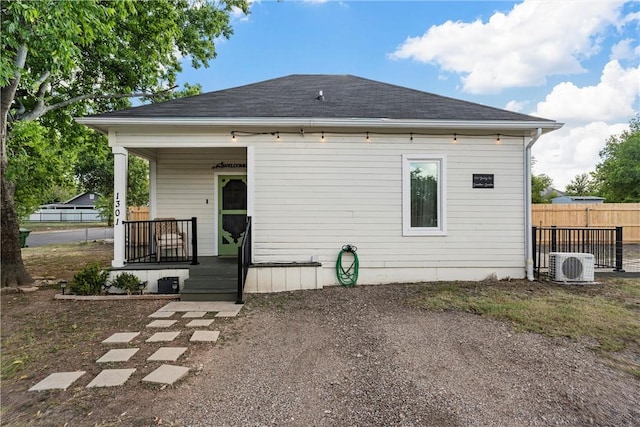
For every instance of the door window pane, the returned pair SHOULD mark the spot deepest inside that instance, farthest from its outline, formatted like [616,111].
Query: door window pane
[234,195]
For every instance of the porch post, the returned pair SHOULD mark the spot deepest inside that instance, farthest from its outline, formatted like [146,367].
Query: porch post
[153,206]
[120,166]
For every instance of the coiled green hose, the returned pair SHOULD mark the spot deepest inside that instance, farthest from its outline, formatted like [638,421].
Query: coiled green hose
[347,277]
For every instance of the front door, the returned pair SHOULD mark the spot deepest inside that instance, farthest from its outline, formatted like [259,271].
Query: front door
[232,213]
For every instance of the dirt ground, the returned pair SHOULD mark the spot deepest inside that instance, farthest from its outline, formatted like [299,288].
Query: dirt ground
[333,357]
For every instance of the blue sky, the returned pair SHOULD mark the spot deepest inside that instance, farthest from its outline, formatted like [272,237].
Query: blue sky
[574,61]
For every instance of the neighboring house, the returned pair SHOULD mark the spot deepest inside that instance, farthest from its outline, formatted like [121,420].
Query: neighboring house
[577,199]
[551,192]
[427,187]
[80,208]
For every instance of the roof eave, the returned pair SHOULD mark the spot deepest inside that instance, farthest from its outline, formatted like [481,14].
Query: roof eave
[103,124]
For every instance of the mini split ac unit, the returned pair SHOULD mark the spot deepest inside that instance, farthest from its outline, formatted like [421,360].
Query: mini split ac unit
[571,267]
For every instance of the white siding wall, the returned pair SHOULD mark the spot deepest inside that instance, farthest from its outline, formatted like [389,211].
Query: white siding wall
[186,187]
[311,198]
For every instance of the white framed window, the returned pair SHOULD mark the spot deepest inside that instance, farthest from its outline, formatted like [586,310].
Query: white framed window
[424,201]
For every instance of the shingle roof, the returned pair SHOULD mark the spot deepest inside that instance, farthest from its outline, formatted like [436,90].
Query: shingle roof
[343,96]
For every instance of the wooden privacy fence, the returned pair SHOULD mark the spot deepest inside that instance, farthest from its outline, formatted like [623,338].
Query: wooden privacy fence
[138,213]
[625,215]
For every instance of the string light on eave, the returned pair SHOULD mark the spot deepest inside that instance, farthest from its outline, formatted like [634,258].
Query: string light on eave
[498,139]
[322,137]
[368,139]
[233,137]
[455,139]
[278,136]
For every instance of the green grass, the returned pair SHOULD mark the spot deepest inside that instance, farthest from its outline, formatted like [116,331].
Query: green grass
[609,313]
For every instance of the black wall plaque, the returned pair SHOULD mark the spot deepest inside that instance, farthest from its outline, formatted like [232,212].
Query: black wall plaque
[482,180]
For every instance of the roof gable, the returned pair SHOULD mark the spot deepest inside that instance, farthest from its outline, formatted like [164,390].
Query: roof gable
[322,96]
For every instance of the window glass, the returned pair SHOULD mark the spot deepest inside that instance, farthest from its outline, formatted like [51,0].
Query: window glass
[424,194]
[423,199]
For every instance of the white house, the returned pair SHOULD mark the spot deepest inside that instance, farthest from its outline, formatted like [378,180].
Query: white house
[426,187]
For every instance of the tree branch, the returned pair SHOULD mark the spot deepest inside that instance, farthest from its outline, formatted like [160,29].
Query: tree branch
[7,95]
[43,87]
[43,78]
[34,114]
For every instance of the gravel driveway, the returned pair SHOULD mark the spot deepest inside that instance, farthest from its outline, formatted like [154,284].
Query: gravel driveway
[364,357]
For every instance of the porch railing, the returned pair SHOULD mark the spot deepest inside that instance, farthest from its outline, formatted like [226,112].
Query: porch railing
[244,260]
[604,243]
[161,240]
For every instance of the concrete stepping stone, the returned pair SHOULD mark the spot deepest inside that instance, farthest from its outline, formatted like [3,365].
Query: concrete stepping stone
[166,374]
[163,336]
[118,355]
[111,377]
[161,323]
[208,306]
[169,354]
[162,314]
[59,380]
[193,314]
[198,323]
[226,314]
[205,336]
[121,337]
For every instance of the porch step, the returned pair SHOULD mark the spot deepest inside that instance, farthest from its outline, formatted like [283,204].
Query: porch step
[208,295]
[209,288]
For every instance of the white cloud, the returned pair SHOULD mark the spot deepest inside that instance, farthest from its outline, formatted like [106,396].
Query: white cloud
[612,99]
[521,48]
[624,50]
[591,115]
[570,151]
[517,106]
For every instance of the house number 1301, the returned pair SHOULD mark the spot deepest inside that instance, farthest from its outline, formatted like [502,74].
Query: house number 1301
[117,209]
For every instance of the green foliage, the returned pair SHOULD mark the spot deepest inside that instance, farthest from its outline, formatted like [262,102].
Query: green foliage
[94,172]
[617,176]
[89,280]
[127,282]
[539,184]
[35,166]
[60,193]
[66,58]
[581,185]
[88,48]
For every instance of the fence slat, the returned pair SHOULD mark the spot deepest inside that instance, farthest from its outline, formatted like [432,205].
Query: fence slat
[138,213]
[625,215]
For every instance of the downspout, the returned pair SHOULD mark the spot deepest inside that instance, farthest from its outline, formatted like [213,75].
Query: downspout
[528,239]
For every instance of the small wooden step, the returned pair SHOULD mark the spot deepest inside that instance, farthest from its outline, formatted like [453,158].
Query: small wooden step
[214,279]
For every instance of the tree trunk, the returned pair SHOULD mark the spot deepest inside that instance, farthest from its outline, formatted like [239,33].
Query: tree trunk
[13,271]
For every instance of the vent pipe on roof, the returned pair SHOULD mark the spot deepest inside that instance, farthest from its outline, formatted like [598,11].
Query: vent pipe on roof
[320,96]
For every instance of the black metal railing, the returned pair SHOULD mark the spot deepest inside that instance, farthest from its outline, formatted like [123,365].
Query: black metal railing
[244,260]
[161,240]
[604,243]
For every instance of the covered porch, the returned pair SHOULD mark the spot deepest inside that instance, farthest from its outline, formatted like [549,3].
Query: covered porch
[209,278]
[197,228]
